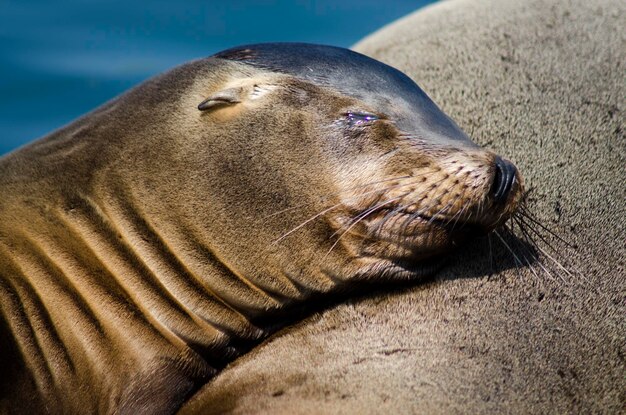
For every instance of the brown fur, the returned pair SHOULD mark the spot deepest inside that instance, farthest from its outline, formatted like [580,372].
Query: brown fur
[147,244]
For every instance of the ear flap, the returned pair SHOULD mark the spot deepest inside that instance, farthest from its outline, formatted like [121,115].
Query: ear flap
[229,96]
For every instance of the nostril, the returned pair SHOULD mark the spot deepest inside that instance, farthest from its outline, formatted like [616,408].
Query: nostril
[503,180]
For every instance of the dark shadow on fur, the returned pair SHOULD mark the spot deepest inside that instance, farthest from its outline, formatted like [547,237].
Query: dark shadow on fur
[15,376]
[482,257]
[478,259]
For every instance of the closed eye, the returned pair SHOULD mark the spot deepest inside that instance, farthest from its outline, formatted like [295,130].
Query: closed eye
[360,118]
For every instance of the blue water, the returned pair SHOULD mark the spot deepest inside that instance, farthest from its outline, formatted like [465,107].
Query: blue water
[59,60]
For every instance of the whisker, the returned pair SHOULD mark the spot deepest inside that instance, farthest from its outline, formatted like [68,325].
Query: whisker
[365,213]
[388,216]
[305,222]
[532,256]
[534,220]
[329,197]
[363,216]
[420,212]
[538,234]
[456,215]
[508,247]
[334,207]
[558,264]
[442,210]
[528,238]
[387,189]
[410,218]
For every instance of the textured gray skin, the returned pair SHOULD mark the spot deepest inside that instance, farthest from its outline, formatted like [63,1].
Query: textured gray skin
[541,82]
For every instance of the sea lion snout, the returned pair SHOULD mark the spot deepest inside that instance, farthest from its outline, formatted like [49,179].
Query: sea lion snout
[440,199]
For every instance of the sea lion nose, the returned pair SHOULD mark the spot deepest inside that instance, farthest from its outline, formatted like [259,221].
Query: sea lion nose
[503,180]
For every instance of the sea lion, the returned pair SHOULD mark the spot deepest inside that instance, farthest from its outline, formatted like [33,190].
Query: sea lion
[148,243]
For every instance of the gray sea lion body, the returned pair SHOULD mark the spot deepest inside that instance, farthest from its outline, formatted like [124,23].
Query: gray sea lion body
[148,243]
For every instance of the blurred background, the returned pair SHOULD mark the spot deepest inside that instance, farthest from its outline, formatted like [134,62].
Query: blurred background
[59,60]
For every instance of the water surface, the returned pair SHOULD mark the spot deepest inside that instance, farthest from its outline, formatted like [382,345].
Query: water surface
[59,60]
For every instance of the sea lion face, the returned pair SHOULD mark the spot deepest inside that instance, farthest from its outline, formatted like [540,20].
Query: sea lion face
[402,183]
[407,197]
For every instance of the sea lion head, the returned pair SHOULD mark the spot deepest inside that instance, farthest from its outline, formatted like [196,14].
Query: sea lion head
[361,157]
[299,167]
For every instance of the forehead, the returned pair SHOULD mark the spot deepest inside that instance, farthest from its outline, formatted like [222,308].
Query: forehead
[378,85]
[350,72]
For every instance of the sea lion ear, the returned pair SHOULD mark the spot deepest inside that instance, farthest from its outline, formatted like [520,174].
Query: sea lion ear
[229,96]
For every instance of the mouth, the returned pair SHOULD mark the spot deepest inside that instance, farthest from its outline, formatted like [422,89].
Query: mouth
[411,238]
[413,220]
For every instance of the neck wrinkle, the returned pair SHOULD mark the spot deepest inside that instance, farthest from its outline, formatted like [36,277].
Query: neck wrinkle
[215,319]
